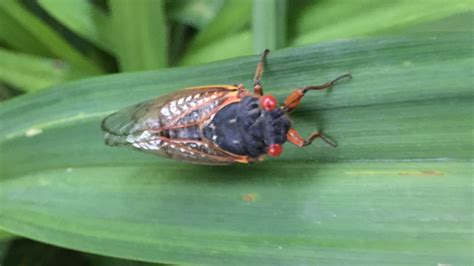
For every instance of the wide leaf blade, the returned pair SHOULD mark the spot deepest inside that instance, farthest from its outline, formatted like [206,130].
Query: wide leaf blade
[395,191]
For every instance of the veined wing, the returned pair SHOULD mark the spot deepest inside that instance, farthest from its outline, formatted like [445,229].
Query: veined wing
[147,126]
[200,152]
[165,112]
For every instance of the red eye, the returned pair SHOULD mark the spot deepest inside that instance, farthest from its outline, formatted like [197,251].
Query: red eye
[268,102]
[275,150]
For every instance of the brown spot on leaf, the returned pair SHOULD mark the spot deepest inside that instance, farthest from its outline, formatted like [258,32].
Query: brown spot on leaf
[249,197]
[421,173]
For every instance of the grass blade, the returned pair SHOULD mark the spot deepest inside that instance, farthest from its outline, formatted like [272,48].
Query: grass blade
[83,18]
[197,13]
[4,236]
[236,45]
[269,24]
[328,20]
[15,36]
[140,33]
[31,73]
[234,16]
[399,183]
[47,37]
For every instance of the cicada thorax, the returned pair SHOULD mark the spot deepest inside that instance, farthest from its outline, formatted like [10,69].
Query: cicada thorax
[172,125]
[244,128]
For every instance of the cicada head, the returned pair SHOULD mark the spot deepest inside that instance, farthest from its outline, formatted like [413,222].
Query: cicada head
[277,125]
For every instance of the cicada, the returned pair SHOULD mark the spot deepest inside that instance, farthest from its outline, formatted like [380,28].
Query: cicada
[215,124]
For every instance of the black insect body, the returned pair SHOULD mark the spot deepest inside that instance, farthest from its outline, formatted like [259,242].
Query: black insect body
[216,124]
[244,128]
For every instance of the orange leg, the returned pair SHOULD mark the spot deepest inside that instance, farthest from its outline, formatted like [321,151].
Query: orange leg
[257,87]
[295,97]
[294,137]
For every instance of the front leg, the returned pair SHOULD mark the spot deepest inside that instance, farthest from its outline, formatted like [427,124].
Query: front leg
[294,137]
[295,97]
[257,87]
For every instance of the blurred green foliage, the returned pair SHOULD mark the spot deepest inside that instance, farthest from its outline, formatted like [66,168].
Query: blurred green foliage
[49,42]
[46,43]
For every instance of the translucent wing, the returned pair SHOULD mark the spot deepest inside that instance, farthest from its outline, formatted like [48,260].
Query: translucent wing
[163,125]
[193,151]
[160,113]
[132,121]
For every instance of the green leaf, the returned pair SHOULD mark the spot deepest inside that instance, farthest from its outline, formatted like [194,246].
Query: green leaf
[236,45]
[234,16]
[4,236]
[328,20]
[139,29]
[32,73]
[15,36]
[460,22]
[397,190]
[197,13]
[83,18]
[48,37]
[269,24]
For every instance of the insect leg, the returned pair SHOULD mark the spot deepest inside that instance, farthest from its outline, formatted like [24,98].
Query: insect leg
[294,137]
[295,97]
[257,87]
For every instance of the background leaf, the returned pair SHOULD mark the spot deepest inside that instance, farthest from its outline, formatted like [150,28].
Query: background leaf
[197,13]
[32,73]
[343,19]
[83,18]
[234,16]
[5,236]
[236,45]
[396,190]
[15,36]
[269,24]
[140,34]
[47,37]
[310,21]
